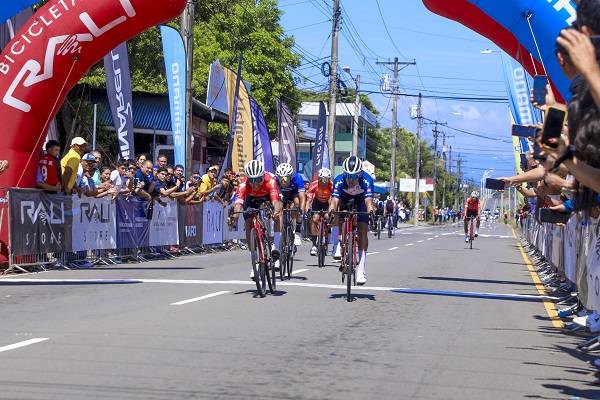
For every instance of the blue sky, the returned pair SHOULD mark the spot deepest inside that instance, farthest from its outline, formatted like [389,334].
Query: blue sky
[449,64]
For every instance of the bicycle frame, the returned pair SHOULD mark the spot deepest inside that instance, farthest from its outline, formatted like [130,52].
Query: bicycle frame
[287,241]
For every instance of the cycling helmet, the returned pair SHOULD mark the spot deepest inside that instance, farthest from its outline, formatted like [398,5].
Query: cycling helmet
[285,169]
[389,197]
[254,169]
[324,173]
[475,193]
[352,165]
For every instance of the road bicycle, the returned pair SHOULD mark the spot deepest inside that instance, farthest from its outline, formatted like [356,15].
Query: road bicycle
[322,237]
[379,226]
[390,224]
[287,247]
[260,250]
[349,244]
[471,231]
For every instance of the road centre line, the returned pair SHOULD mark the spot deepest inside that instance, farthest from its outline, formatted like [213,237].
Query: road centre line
[393,248]
[208,296]
[287,283]
[22,344]
[410,244]
[420,241]
[430,238]
[375,252]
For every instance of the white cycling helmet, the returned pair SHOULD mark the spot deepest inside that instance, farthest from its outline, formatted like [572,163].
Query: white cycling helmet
[352,165]
[324,173]
[254,169]
[285,169]
[475,193]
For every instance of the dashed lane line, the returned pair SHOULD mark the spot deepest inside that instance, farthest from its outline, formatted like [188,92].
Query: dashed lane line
[374,252]
[208,296]
[298,271]
[410,244]
[393,248]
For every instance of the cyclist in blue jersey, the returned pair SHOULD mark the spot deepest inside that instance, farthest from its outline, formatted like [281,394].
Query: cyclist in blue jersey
[291,187]
[354,183]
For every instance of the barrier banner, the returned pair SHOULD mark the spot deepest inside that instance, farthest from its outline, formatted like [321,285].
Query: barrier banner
[39,222]
[593,269]
[229,233]
[94,224]
[569,250]
[132,225]
[212,222]
[190,225]
[164,228]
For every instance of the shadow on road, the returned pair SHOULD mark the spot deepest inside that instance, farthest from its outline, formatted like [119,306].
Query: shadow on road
[440,278]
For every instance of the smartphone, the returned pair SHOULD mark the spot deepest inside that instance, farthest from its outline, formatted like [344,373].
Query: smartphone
[524,163]
[539,89]
[552,216]
[494,184]
[523,131]
[553,125]
[536,152]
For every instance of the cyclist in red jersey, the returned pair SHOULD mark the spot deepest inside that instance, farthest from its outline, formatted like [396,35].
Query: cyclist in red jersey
[318,196]
[472,209]
[255,188]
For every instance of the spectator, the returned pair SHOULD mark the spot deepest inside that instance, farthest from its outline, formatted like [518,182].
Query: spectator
[96,176]
[192,189]
[88,163]
[144,181]
[160,187]
[3,166]
[140,159]
[208,181]
[119,177]
[161,161]
[70,164]
[219,191]
[49,171]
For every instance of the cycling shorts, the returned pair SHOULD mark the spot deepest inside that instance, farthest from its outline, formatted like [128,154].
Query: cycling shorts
[471,214]
[254,202]
[361,206]
[319,206]
[288,196]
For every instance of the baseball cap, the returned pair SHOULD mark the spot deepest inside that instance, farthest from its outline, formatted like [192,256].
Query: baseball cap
[214,167]
[89,157]
[78,140]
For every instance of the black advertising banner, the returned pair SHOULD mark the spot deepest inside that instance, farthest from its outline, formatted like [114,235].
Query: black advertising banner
[190,225]
[118,90]
[286,134]
[319,141]
[39,222]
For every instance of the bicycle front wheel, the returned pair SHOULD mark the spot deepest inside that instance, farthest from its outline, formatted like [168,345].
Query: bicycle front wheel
[269,268]
[257,265]
[350,250]
[283,255]
[378,228]
[321,245]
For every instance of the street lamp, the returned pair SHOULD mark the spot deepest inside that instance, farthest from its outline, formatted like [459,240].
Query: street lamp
[356,112]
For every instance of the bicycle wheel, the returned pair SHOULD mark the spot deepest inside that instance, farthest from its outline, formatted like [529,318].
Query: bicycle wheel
[378,228]
[283,254]
[290,250]
[269,267]
[389,228]
[322,244]
[257,265]
[471,236]
[350,249]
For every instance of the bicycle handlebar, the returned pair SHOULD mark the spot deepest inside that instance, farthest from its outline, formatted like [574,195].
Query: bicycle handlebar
[252,210]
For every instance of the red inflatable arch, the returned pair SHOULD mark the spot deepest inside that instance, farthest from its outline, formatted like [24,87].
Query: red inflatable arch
[48,57]
[472,17]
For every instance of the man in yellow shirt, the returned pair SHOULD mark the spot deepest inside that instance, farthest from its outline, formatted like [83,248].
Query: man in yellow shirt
[208,180]
[70,163]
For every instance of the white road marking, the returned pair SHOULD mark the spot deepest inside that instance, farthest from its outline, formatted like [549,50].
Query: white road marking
[208,296]
[393,248]
[430,238]
[375,252]
[22,344]
[410,244]
[299,270]
[420,241]
[437,236]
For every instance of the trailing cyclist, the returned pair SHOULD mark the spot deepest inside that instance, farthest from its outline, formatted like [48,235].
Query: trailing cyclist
[378,204]
[291,186]
[318,199]
[390,211]
[354,184]
[472,210]
[255,188]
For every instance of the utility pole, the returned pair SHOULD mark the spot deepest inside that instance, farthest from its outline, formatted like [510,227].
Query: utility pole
[356,114]
[395,123]
[187,33]
[457,200]
[435,138]
[333,84]
[418,151]
[444,156]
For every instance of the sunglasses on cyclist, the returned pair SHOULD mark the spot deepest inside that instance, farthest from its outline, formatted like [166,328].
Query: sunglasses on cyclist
[255,180]
[285,178]
[324,180]
[352,176]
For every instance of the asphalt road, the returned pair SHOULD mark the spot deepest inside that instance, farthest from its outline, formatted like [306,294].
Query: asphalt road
[435,321]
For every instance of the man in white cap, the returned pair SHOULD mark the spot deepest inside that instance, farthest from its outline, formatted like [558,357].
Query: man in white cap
[70,163]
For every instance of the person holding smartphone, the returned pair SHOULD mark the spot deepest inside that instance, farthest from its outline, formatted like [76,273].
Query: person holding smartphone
[472,210]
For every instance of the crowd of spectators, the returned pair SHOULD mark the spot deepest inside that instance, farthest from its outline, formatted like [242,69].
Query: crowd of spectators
[84,174]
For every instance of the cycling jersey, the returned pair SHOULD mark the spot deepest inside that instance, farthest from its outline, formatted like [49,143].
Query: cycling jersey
[269,187]
[320,194]
[472,204]
[389,206]
[363,190]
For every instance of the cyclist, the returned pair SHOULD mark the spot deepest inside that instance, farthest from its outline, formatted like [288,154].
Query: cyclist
[291,186]
[355,184]
[255,188]
[318,199]
[472,210]
[390,210]
[379,208]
